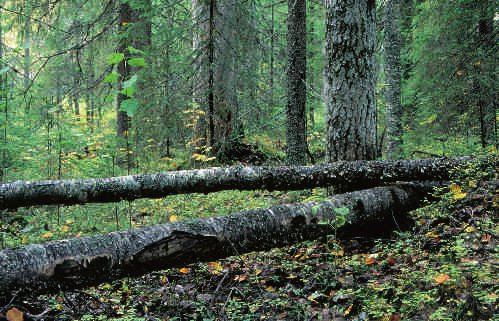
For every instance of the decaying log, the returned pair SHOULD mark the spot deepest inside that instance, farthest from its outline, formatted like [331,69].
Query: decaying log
[80,262]
[342,176]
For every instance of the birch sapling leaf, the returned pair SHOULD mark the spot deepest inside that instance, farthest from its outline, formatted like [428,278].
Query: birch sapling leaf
[130,106]
[115,58]
[137,62]
[112,78]
[134,50]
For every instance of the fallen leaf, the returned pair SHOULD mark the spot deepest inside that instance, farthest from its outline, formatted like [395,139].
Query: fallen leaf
[486,238]
[215,268]
[369,260]
[240,278]
[457,194]
[14,315]
[442,278]
[47,235]
[349,309]
[395,317]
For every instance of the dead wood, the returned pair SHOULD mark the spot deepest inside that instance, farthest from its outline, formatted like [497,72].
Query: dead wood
[342,176]
[85,261]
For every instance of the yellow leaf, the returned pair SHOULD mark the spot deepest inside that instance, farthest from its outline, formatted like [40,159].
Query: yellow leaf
[14,315]
[65,228]
[215,268]
[347,311]
[431,234]
[369,260]
[456,192]
[442,278]
[270,289]
[47,235]
[469,229]
[338,253]
[185,270]
[173,218]
[454,188]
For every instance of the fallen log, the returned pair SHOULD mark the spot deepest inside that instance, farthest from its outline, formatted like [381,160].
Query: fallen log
[342,176]
[85,261]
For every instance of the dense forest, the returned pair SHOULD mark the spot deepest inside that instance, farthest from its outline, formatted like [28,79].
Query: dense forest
[214,100]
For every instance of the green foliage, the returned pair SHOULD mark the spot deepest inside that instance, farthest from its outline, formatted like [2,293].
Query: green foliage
[115,58]
[444,62]
[443,270]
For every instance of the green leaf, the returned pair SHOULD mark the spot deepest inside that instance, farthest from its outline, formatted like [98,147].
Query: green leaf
[129,86]
[128,91]
[130,106]
[110,97]
[137,62]
[115,58]
[112,78]
[130,82]
[133,50]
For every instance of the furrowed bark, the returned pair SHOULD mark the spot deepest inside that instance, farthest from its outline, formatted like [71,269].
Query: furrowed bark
[342,176]
[85,261]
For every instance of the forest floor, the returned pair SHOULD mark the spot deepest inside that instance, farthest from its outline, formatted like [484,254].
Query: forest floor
[445,268]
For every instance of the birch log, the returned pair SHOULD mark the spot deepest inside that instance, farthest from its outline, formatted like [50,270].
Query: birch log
[85,261]
[342,176]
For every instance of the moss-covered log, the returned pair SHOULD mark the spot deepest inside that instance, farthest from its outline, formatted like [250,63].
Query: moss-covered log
[342,176]
[79,262]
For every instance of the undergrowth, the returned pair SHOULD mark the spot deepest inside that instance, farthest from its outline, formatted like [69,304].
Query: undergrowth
[445,268]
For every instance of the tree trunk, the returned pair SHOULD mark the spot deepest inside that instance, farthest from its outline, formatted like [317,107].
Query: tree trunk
[200,90]
[79,262]
[226,100]
[3,109]
[27,64]
[342,176]
[135,32]
[122,118]
[296,138]
[485,82]
[211,73]
[392,76]
[215,85]
[350,80]
[76,86]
